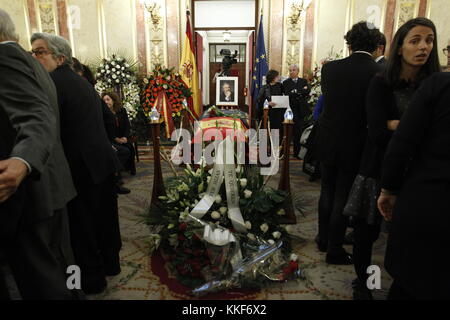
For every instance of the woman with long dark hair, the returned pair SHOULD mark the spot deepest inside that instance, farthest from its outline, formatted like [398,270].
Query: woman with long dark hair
[273,87]
[122,130]
[413,57]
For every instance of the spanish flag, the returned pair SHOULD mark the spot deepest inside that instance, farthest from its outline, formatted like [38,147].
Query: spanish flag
[188,69]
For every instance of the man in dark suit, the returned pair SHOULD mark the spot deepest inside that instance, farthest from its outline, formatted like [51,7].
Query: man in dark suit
[94,232]
[35,179]
[379,53]
[341,134]
[226,94]
[297,89]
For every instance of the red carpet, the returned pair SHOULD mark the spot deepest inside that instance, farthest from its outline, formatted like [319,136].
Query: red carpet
[159,268]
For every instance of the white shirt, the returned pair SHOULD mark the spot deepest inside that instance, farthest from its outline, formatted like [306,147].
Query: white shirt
[364,52]
[379,58]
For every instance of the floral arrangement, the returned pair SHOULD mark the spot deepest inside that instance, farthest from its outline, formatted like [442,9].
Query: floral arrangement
[164,79]
[261,253]
[316,77]
[116,74]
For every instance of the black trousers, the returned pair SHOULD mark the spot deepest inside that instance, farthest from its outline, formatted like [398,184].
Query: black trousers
[397,292]
[39,258]
[335,187]
[126,155]
[298,130]
[94,230]
[364,237]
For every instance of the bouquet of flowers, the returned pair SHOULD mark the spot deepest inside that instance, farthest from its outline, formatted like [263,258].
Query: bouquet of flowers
[163,79]
[116,74]
[208,254]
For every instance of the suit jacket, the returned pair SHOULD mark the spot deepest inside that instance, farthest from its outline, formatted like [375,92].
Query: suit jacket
[29,129]
[84,139]
[298,94]
[122,124]
[223,98]
[342,125]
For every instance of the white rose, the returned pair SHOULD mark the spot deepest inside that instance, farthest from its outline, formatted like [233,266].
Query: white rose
[107,67]
[243,182]
[127,65]
[113,63]
[238,169]
[113,69]
[247,194]
[208,179]
[103,70]
[114,76]
[123,68]
[128,76]
[264,227]
[218,199]
[210,171]
[276,234]
[294,257]
[270,241]
[251,236]
[215,215]
[117,81]
[223,210]
[248,225]
[281,212]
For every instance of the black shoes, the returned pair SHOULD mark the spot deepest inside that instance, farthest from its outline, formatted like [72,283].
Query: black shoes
[340,259]
[122,190]
[360,291]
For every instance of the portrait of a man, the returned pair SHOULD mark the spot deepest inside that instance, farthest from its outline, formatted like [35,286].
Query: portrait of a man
[226,91]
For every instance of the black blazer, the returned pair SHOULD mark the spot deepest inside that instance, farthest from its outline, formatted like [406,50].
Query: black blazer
[342,126]
[417,165]
[122,124]
[85,142]
[29,129]
[298,96]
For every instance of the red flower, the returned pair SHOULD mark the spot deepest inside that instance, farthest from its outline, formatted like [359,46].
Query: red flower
[181,237]
[182,226]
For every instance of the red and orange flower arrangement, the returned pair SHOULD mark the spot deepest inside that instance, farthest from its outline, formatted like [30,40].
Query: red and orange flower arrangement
[166,80]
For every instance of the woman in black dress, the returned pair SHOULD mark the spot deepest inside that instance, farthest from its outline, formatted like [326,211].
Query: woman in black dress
[413,58]
[272,88]
[122,131]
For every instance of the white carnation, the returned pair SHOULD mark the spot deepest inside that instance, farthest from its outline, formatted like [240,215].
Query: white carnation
[215,215]
[251,236]
[247,194]
[248,225]
[243,182]
[271,241]
[223,210]
[218,199]
[264,227]
[294,257]
[276,234]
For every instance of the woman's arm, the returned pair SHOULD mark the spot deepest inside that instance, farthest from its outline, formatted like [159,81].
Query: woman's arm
[409,135]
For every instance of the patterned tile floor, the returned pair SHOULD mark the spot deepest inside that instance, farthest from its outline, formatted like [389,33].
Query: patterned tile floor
[323,281]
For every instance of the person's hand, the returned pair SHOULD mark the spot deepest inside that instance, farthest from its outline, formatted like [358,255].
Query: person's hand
[118,140]
[124,140]
[272,104]
[393,124]
[386,202]
[12,173]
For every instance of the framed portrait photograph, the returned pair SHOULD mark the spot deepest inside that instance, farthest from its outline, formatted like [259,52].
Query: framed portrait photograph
[227,91]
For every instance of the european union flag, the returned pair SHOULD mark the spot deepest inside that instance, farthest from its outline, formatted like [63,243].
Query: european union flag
[261,66]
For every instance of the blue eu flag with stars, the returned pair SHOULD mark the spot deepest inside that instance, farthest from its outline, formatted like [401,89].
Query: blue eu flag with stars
[261,66]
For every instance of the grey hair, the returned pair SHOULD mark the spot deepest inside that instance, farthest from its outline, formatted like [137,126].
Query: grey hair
[296,66]
[7,28]
[59,46]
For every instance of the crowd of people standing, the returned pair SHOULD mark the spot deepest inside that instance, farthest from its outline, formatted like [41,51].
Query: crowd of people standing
[61,158]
